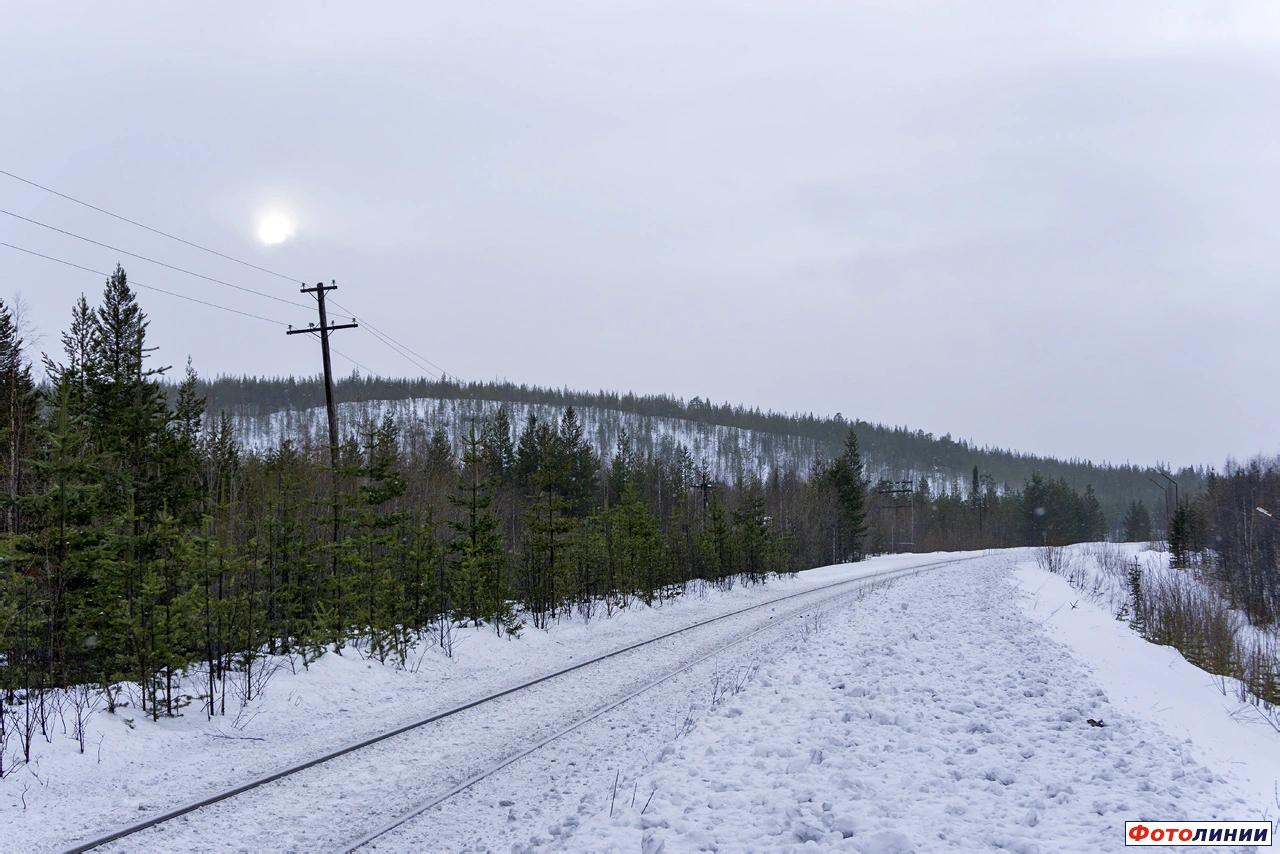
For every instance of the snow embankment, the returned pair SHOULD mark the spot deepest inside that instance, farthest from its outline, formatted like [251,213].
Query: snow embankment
[935,715]
[1156,684]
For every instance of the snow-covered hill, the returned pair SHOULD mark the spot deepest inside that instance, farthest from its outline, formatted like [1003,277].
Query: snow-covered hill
[726,450]
[728,437]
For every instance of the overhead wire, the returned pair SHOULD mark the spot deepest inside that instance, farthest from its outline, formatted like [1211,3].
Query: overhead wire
[407,357]
[387,335]
[156,261]
[134,222]
[403,350]
[135,283]
[139,284]
[338,352]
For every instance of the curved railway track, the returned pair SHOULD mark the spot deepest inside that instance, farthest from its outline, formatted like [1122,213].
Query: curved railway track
[404,818]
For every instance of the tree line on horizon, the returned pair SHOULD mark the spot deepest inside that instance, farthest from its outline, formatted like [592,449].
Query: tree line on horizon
[946,460]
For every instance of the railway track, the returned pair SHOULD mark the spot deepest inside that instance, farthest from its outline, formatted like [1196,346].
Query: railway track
[404,818]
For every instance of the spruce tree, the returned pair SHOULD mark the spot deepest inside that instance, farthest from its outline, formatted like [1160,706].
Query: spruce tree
[500,464]
[64,550]
[716,543]
[499,450]
[18,400]
[479,558]
[622,467]
[547,522]
[637,547]
[1180,535]
[529,451]
[756,545]
[1035,510]
[846,476]
[1137,523]
[77,348]
[1095,522]
[371,537]
[578,465]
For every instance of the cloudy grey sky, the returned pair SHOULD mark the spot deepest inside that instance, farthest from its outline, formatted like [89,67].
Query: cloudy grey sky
[1045,226]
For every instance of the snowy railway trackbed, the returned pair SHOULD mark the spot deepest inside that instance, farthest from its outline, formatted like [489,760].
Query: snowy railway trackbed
[216,798]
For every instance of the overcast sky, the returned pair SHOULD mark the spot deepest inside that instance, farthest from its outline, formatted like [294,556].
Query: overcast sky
[1044,226]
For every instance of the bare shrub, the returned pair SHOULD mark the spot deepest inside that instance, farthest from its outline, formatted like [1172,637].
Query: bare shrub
[1064,562]
[8,760]
[1051,558]
[1179,612]
[812,624]
[26,718]
[1112,561]
[251,681]
[1182,613]
[84,701]
[684,723]
[1260,671]
[730,683]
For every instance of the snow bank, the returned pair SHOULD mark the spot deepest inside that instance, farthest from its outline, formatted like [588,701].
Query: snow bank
[1156,684]
[934,716]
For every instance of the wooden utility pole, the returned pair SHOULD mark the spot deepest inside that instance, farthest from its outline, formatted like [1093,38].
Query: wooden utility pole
[1164,492]
[323,330]
[1164,474]
[705,486]
[890,490]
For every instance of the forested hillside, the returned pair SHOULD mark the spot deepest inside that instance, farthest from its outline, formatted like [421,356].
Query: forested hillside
[731,439]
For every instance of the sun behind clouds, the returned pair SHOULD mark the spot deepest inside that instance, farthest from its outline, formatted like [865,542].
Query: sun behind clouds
[274,227]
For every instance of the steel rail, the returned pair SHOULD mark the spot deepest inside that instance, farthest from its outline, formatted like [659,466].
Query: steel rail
[494,768]
[192,806]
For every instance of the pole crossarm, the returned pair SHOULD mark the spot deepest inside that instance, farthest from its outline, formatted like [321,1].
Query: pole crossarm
[330,328]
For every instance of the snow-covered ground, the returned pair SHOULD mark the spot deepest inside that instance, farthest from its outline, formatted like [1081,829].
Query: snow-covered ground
[944,711]
[134,767]
[1156,685]
[944,718]
[1100,574]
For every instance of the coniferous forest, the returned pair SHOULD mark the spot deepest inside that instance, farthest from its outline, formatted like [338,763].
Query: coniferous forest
[895,451]
[139,542]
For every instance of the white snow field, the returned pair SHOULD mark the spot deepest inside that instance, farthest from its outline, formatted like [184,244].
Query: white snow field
[943,711]
[945,718]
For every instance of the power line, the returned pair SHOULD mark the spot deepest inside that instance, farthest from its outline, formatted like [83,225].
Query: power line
[403,350]
[168,266]
[387,335]
[136,283]
[153,260]
[395,349]
[147,227]
[338,352]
